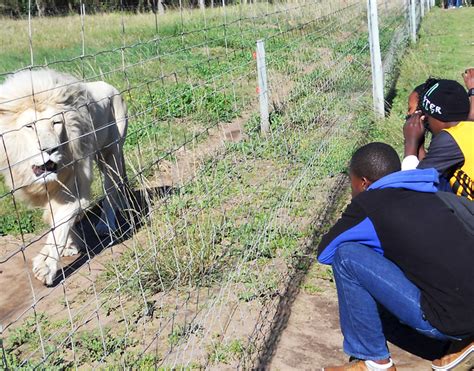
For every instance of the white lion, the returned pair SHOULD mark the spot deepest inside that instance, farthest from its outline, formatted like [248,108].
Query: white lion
[52,126]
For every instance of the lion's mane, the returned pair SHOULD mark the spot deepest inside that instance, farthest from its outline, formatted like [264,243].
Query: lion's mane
[38,90]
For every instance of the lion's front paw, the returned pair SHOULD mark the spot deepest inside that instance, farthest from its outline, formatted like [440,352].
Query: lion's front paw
[44,269]
[70,250]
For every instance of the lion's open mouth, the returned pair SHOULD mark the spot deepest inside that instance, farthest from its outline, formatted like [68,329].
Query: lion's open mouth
[49,166]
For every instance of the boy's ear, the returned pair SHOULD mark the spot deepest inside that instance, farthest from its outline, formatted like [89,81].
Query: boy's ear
[366,182]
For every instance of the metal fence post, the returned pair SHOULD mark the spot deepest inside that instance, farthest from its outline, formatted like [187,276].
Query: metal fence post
[262,87]
[375,58]
[413,20]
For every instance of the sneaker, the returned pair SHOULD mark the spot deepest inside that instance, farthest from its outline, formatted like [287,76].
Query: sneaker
[460,356]
[359,365]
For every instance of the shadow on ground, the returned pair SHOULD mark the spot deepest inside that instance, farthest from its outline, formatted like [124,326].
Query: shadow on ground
[128,223]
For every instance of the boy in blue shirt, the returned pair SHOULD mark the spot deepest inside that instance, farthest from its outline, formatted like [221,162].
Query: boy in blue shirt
[404,246]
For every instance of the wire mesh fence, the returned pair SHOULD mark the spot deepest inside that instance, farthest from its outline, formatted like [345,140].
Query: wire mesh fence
[181,251]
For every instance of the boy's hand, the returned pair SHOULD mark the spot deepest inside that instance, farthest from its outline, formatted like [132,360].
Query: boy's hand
[468,77]
[414,133]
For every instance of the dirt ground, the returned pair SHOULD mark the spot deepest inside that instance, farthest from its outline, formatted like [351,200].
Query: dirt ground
[312,337]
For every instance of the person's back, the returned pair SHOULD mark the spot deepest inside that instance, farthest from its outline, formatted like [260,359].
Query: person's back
[432,247]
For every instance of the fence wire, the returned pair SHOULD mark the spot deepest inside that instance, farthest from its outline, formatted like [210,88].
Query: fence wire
[213,221]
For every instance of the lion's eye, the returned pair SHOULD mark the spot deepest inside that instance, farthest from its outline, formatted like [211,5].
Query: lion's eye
[30,126]
[57,122]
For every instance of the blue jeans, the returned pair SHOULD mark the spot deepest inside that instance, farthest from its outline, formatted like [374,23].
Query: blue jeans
[456,3]
[365,279]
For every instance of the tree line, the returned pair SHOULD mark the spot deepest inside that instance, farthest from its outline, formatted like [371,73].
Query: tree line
[20,8]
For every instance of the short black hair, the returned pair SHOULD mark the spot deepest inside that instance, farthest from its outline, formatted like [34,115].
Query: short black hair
[420,89]
[374,160]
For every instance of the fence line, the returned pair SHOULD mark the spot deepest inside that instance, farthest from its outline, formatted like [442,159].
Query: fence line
[214,219]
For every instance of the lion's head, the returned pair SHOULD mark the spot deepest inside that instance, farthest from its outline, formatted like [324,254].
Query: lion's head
[43,116]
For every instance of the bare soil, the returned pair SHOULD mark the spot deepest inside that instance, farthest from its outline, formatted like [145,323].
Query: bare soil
[22,295]
[311,339]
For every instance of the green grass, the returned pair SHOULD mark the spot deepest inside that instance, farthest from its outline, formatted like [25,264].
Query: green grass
[444,49]
[178,80]
[318,277]
[89,347]
[26,337]
[203,234]
[224,353]
[94,346]
[240,223]
[15,218]
[182,332]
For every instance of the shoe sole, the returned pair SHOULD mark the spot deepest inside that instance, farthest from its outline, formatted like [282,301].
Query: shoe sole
[465,362]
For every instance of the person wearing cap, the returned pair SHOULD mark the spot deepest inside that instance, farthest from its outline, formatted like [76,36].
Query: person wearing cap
[414,105]
[445,108]
[414,97]
[403,246]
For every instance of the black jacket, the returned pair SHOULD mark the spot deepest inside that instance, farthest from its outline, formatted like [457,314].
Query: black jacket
[429,237]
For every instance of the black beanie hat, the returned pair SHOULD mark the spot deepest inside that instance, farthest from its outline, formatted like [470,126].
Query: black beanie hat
[447,101]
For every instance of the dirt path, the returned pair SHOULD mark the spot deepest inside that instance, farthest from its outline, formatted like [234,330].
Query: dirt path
[21,291]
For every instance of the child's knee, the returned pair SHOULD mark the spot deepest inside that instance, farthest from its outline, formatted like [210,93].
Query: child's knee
[349,252]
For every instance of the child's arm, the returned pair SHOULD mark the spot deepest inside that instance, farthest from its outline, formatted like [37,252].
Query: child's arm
[421,149]
[468,76]
[414,134]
